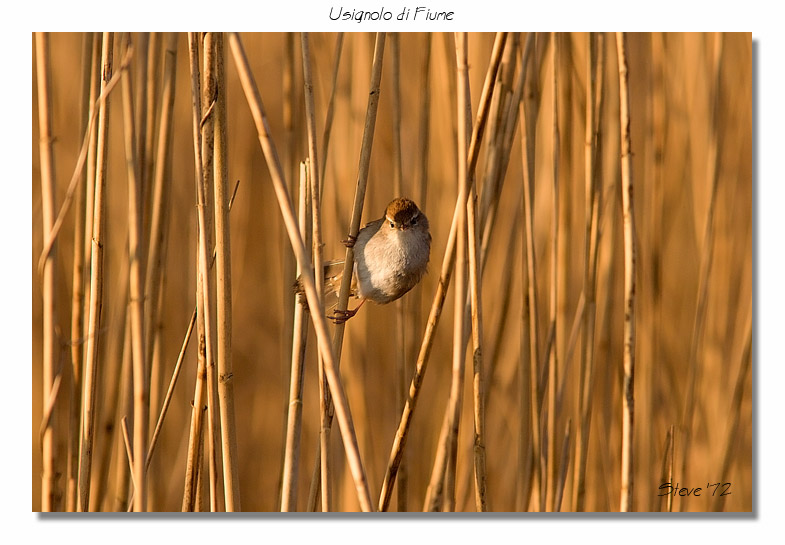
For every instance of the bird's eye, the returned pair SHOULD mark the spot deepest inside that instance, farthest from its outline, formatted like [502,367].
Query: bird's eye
[414,221]
[392,225]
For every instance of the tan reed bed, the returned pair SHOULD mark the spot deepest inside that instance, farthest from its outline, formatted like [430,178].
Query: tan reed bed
[550,443]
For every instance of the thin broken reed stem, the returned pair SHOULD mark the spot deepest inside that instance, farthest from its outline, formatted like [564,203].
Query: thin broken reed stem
[291,463]
[478,382]
[314,192]
[88,91]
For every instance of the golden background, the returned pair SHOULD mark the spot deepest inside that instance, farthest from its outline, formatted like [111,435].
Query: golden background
[672,88]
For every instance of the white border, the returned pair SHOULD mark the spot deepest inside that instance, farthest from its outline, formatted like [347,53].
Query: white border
[483,15]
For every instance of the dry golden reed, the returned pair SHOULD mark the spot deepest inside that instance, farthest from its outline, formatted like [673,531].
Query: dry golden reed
[529,385]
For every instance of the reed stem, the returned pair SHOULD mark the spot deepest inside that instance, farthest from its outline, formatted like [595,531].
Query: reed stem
[96,285]
[50,349]
[136,298]
[628,400]
[299,338]
[214,56]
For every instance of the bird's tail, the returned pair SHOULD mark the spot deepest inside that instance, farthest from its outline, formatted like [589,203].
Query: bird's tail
[333,273]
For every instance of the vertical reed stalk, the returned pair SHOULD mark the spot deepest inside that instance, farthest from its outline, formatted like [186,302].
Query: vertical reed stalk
[88,151]
[291,463]
[50,352]
[362,182]
[199,505]
[550,471]
[202,131]
[78,295]
[589,276]
[328,121]
[478,381]
[444,281]
[193,460]
[528,116]
[151,89]
[214,56]
[292,160]
[191,493]
[96,285]
[400,304]
[161,190]
[91,140]
[205,183]
[136,297]
[320,325]
[315,241]
[628,403]
[425,126]
[322,484]
[505,135]
[141,106]
[437,493]
[524,465]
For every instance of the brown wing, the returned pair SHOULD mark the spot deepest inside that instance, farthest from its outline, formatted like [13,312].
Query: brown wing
[333,272]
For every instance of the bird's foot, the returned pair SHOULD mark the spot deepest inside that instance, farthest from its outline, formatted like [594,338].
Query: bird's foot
[340,316]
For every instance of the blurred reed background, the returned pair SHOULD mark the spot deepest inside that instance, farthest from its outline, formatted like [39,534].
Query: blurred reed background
[690,115]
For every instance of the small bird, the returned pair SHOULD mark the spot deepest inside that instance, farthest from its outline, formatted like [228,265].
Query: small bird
[390,257]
